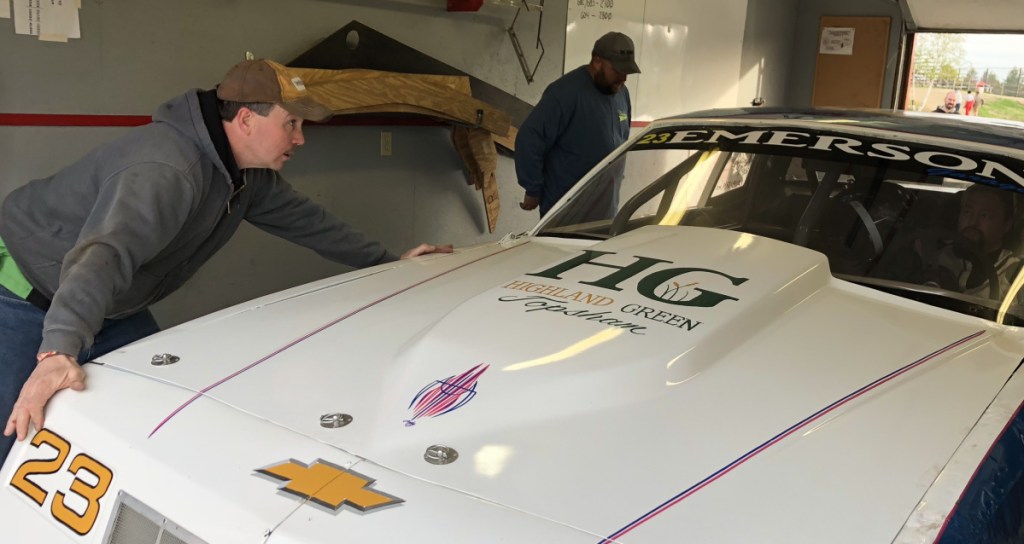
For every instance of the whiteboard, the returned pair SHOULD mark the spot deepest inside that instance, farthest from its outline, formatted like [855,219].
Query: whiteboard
[588,20]
[689,51]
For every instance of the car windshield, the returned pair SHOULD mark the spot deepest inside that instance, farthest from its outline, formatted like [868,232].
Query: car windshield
[935,224]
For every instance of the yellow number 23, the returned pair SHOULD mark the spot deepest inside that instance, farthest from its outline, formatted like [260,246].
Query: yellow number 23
[82,520]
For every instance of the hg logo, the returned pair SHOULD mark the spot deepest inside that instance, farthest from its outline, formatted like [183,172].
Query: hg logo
[648,286]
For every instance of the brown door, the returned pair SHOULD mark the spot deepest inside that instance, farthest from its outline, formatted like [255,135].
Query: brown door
[850,70]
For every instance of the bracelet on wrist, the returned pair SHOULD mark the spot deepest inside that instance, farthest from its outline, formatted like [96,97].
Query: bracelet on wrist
[46,354]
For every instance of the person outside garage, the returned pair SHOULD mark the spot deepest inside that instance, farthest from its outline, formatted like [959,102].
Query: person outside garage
[948,104]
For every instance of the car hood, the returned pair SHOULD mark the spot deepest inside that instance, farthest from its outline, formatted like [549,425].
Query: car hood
[668,379]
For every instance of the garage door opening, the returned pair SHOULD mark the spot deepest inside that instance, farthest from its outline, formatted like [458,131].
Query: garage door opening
[967,74]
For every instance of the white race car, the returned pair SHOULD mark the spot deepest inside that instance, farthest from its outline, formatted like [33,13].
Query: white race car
[742,326]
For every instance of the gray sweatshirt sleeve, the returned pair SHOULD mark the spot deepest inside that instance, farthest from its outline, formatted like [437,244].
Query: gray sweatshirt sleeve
[138,211]
[280,210]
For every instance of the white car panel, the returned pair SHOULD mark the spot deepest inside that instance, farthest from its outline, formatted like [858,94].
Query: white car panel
[669,382]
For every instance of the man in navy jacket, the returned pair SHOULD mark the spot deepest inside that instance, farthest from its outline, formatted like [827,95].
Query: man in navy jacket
[581,117]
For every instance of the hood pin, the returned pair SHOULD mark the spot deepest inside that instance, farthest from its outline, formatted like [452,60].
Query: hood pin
[440,455]
[164,359]
[333,421]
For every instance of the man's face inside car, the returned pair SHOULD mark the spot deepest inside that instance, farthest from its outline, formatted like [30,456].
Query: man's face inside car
[984,218]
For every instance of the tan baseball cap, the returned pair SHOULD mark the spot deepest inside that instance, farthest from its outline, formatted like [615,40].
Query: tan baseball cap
[263,80]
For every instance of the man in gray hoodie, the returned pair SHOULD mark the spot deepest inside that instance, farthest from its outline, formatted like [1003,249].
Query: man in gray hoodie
[85,252]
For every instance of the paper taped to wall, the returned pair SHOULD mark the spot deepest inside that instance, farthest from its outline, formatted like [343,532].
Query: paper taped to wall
[836,41]
[26,17]
[58,20]
[50,20]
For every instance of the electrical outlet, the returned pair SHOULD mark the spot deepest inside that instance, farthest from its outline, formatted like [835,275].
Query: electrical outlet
[385,144]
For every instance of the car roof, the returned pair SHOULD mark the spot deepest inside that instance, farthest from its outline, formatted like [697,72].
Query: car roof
[981,130]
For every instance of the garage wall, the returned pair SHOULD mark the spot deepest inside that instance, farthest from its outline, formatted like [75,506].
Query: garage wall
[135,54]
[805,47]
[768,42]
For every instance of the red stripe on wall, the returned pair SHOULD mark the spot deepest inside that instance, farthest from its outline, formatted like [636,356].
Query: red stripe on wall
[64,120]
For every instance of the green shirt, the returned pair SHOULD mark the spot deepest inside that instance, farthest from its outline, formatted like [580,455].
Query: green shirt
[11,276]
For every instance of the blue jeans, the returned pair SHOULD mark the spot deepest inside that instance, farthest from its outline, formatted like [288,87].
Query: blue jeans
[21,333]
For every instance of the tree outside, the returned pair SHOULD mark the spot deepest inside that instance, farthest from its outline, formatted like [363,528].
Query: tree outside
[952,62]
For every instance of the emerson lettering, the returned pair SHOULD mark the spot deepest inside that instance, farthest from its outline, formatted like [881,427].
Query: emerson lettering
[851,146]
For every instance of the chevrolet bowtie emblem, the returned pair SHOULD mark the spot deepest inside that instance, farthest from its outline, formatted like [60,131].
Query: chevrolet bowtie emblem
[329,485]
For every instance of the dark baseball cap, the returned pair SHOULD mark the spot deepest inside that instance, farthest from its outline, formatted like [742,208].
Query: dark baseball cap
[617,48]
[263,80]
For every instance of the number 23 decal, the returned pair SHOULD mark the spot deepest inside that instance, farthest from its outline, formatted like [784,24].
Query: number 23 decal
[655,138]
[80,522]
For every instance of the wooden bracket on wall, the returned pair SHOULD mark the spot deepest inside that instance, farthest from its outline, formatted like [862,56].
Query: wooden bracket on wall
[376,51]
[357,46]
